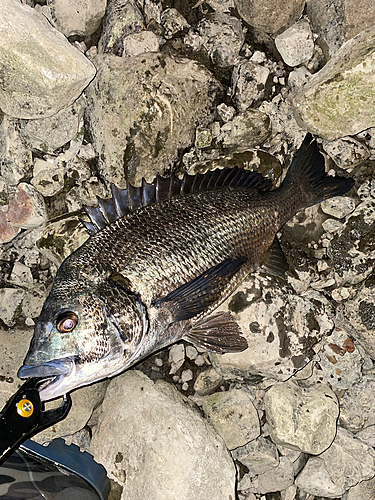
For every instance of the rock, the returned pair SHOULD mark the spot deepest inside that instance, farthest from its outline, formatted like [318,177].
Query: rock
[7,231]
[346,152]
[172,22]
[139,43]
[357,405]
[10,305]
[271,16]
[344,83]
[84,400]
[344,464]
[281,329]
[340,360]
[222,36]
[41,72]
[48,134]
[367,435]
[226,113]
[166,98]
[365,490]
[122,19]
[58,239]
[332,226]
[21,275]
[298,77]
[33,301]
[259,456]
[301,419]
[234,417]
[82,19]
[176,353]
[245,131]
[339,20]
[186,375]
[16,159]
[278,478]
[27,209]
[162,448]
[50,181]
[207,382]
[249,83]
[296,44]
[339,206]
[86,191]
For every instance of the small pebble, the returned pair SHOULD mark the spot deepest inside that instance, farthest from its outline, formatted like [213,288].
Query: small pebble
[185,386]
[186,375]
[191,352]
[158,362]
[199,360]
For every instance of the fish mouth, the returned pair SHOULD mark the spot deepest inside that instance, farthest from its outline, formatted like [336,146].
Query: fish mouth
[53,374]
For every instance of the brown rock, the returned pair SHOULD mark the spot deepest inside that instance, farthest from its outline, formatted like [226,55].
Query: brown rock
[7,231]
[26,210]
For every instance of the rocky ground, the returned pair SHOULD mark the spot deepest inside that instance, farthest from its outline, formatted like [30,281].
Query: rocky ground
[93,93]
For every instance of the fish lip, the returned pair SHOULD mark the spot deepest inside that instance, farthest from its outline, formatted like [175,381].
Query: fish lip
[54,368]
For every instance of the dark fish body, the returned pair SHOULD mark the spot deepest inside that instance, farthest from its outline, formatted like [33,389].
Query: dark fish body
[156,274]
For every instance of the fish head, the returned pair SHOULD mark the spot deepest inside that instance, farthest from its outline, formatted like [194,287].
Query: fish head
[84,337]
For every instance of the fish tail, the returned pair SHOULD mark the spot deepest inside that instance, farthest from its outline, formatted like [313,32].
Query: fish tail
[306,176]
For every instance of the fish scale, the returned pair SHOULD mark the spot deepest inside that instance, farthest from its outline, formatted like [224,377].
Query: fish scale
[159,261]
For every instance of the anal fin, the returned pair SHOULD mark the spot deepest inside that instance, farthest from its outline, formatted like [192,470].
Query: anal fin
[217,333]
[276,262]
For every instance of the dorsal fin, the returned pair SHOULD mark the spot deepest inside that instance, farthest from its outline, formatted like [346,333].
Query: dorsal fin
[127,200]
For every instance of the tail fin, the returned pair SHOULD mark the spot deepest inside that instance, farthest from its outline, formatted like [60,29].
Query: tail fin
[307,173]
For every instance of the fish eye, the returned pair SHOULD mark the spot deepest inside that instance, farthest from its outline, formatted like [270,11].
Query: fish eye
[66,322]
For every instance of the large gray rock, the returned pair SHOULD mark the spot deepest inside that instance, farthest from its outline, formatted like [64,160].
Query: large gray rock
[302,419]
[41,72]
[296,44]
[338,100]
[156,446]
[143,110]
[343,465]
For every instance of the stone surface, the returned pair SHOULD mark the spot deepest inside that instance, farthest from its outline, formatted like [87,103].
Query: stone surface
[365,490]
[172,22]
[258,456]
[162,449]
[166,99]
[207,382]
[7,231]
[296,44]
[271,16]
[346,152]
[27,208]
[357,405]
[139,43]
[82,19]
[344,464]
[339,206]
[303,419]
[249,83]
[276,479]
[245,131]
[41,72]
[337,101]
[233,415]
[21,275]
[10,303]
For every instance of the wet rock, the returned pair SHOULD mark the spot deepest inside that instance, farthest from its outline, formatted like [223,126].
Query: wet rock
[16,158]
[222,36]
[245,131]
[49,73]
[272,16]
[82,19]
[248,83]
[27,209]
[233,415]
[165,99]
[339,206]
[344,464]
[139,43]
[122,19]
[339,20]
[48,134]
[340,360]
[357,405]
[346,152]
[207,382]
[173,22]
[162,447]
[303,419]
[296,44]
[259,456]
[281,329]
[10,304]
[345,83]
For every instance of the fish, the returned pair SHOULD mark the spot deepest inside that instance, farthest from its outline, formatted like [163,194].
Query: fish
[159,261]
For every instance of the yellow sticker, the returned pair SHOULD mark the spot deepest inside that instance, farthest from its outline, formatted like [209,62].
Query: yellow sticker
[25,408]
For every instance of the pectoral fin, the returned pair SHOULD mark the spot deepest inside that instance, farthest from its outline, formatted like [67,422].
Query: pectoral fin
[217,333]
[276,262]
[197,295]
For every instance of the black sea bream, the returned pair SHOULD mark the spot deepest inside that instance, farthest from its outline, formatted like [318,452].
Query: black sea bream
[159,261]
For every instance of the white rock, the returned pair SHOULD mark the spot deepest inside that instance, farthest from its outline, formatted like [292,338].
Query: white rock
[301,419]
[365,490]
[367,435]
[41,72]
[10,301]
[191,352]
[357,405]
[156,447]
[296,44]
[207,381]
[347,462]
[233,415]
[226,113]
[186,375]
[339,206]
[298,77]
[332,226]
[21,275]
[80,18]
[139,43]
[176,353]
[346,152]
